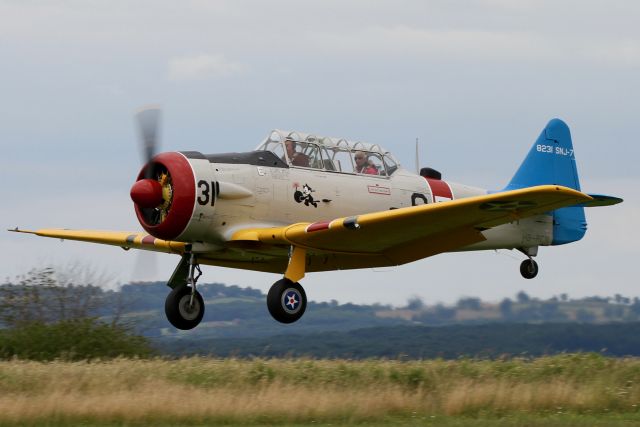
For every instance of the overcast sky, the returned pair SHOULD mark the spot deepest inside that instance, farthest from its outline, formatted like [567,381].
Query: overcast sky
[475,80]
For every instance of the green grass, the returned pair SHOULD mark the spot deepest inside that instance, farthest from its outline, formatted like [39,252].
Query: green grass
[565,390]
[443,421]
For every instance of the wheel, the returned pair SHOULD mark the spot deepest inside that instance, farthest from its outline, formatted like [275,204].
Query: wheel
[178,311]
[286,301]
[529,269]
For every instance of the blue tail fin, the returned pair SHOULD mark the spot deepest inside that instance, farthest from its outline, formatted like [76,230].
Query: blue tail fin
[551,160]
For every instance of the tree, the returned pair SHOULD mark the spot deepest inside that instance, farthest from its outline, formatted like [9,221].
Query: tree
[506,307]
[438,315]
[74,339]
[50,315]
[415,303]
[469,303]
[522,297]
[45,295]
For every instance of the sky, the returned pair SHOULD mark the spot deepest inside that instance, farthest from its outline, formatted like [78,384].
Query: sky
[476,81]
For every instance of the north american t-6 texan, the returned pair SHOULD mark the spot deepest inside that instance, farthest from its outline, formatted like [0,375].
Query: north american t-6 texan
[304,203]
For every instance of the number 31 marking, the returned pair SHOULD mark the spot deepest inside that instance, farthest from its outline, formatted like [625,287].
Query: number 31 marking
[207,190]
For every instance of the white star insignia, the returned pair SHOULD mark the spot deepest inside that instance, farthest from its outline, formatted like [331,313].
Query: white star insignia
[292,300]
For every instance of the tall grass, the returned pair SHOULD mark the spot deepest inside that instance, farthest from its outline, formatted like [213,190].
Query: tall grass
[200,390]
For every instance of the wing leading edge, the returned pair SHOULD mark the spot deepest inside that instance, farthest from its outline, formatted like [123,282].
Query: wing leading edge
[125,239]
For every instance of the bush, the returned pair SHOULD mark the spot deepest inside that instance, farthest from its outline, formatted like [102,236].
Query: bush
[76,339]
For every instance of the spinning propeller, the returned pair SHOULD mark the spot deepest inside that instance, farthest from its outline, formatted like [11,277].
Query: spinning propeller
[148,119]
[154,193]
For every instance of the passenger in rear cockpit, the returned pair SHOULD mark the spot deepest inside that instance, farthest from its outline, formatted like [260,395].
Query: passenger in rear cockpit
[363,165]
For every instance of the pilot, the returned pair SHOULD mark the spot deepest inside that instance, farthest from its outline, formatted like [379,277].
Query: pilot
[296,158]
[363,165]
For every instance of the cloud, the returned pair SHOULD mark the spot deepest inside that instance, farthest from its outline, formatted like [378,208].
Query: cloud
[620,52]
[202,66]
[422,42]
[473,44]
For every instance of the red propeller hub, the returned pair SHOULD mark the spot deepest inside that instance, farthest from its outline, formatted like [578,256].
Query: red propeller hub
[147,193]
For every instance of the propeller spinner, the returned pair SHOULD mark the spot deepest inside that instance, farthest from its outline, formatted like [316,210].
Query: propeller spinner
[147,193]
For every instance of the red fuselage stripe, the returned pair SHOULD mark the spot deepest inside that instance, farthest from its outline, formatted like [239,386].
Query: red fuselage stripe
[439,188]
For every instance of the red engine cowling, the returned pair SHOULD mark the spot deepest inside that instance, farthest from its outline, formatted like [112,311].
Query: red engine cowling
[164,195]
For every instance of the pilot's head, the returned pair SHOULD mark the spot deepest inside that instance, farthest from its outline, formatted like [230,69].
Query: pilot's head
[291,147]
[360,158]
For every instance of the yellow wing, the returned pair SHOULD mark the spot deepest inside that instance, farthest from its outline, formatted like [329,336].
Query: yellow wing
[407,234]
[124,239]
[370,240]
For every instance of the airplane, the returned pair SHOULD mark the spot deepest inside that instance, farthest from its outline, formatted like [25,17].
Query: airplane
[303,203]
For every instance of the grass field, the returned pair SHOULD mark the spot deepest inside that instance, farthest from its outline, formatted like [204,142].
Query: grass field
[582,389]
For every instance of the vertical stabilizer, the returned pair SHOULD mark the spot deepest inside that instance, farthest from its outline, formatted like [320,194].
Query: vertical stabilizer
[551,160]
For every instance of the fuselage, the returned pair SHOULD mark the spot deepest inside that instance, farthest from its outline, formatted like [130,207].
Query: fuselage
[203,200]
[240,190]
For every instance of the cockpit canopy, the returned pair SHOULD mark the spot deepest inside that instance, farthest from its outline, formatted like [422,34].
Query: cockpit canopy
[330,154]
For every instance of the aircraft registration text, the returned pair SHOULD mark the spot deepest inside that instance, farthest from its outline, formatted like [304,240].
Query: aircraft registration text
[561,151]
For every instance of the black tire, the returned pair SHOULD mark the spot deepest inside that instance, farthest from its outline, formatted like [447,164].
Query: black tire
[529,269]
[177,309]
[286,301]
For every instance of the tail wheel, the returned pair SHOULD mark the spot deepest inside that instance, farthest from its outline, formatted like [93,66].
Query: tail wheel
[183,312]
[529,269]
[286,301]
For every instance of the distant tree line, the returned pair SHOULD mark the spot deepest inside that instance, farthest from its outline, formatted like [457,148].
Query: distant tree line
[523,308]
[494,340]
[69,313]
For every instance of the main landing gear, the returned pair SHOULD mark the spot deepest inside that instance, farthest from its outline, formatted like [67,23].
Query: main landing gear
[528,267]
[184,305]
[286,301]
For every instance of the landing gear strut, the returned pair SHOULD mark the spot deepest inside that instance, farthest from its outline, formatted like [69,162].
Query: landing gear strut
[184,305]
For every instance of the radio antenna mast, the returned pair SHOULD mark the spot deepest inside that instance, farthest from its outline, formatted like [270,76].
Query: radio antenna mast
[417,158]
